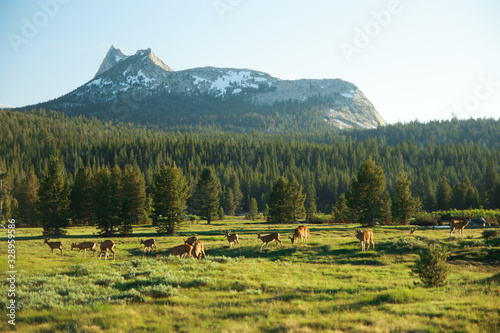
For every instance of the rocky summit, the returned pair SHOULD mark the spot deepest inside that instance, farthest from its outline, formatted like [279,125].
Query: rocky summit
[141,88]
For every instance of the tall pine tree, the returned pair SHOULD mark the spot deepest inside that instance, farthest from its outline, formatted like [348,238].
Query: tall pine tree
[368,197]
[404,205]
[207,195]
[81,197]
[133,198]
[53,203]
[27,198]
[170,192]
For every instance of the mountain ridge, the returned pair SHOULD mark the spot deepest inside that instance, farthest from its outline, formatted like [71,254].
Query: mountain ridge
[142,77]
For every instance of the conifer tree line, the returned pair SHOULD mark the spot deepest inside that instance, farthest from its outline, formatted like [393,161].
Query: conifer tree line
[450,164]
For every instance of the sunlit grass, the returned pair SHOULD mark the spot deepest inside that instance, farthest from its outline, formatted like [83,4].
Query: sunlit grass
[326,284]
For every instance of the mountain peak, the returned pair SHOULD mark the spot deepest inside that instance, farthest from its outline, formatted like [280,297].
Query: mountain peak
[150,54]
[113,57]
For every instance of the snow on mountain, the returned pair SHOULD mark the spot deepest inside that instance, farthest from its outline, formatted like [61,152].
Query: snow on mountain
[145,74]
[5,106]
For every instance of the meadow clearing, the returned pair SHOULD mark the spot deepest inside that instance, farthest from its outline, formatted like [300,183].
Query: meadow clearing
[324,285]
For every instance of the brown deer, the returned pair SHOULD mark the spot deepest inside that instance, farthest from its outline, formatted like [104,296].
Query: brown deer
[232,238]
[198,250]
[84,246]
[53,245]
[459,225]
[301,232]
[365,237]
[269,238]
[412,231]
[149,244]
[184,250]
[106,247]
[191,240]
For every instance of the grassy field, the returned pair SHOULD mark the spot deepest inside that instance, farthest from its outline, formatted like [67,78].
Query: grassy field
[326,285]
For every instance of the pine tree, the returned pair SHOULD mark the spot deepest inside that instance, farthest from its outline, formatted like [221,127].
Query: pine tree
[253,211]
[443,194]
[170,193]
[296,200]
[310,203]
[229,202]
[368,196]
[207,195]
[279,206]
[133,198]
[106,201]
[490,181]
[81,197]
[404,205]
[234,184]
[341,212]
[53,203]
[27,198]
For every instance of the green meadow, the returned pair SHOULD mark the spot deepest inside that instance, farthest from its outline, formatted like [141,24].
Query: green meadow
[324,285]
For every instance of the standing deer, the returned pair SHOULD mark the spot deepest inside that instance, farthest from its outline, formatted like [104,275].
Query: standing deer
[106,247]
[53,245]
[269,238]
[149,244]
[459,225]
[365,237]
[198,250]
[301,232]
[84,246]
[232,238]
[184,250]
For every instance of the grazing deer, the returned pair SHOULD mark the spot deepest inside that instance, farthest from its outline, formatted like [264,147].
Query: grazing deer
[232,238]
[149,244]
[301,232]
[459,225]
[191,240]
[106,247]
[184,250]
[412,231]
[365,237]
[198,250]
[84,246]
[53,245]
[269,238]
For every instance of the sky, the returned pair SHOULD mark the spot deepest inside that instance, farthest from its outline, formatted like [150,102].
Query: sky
[414,60]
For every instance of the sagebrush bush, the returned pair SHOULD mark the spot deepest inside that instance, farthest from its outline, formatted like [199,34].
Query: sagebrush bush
[432,267]
[490,234]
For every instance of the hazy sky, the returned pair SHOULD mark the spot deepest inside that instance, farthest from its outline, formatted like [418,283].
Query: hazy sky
[413,59]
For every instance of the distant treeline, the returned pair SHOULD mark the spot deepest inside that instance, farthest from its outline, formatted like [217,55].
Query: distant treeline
[456,152]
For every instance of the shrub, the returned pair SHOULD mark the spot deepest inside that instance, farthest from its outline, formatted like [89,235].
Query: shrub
[320,219]
[490,234]
[425,219]
[431,267]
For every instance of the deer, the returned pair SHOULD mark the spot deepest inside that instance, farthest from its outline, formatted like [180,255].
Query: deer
[269,238]
[459,225]
[365,237]
[412,231]
[84,246]
[191,240]
[149,244]
[53,245]
[184,250]
[232,238]
[106,247]
[301,232]
[198,250]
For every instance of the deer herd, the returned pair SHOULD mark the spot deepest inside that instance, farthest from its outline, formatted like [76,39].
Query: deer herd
[194,248]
